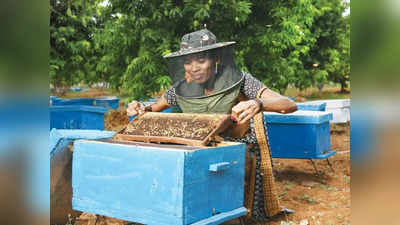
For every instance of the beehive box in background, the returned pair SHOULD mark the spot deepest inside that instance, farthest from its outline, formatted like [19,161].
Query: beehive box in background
[77,117]
[340,109]
[76,89]
[73,101]
[302,134]
[111,102]
[61,170]
[52,98]
[159,184]
[311,106]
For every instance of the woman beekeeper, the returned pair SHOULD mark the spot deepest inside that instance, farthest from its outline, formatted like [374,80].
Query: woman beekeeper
[206,80]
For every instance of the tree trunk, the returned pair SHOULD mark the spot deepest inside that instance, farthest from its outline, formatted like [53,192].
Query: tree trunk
[320,87]
[343,87]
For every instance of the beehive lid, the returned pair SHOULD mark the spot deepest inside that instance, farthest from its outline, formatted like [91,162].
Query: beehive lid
[313,106]
[70,108]
[298,117]
[179,128]
[333,103]
[107,98]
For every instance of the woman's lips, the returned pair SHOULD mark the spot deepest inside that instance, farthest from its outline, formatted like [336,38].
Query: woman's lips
[197,76]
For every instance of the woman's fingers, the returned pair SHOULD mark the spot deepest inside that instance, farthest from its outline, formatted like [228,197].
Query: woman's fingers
[243,111]
[134,104]
[131,111]
[245,119]
[238,109]
[246,115]
[134,108]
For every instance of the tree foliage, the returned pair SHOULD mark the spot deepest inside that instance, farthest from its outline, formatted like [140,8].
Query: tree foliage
[281,42]
[72,56]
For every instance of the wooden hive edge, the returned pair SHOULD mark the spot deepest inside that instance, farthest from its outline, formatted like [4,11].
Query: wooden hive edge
[157,139]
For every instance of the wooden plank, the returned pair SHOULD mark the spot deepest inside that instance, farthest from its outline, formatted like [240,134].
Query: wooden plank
[222,217]
[157,139]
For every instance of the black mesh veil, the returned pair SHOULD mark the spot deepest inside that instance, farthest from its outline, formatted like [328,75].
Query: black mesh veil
[225,73]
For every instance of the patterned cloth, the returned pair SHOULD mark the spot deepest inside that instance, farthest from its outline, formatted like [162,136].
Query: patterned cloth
[258,213]
[249,89]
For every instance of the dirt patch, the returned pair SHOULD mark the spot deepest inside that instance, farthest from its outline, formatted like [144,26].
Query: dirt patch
[92,219]
[90,93]
[318,199]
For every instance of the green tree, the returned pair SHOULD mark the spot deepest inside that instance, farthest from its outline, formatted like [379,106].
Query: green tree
[331,53]
[72,58]
[281,42]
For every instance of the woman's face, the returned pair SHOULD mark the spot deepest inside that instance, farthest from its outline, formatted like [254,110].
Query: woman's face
[199,67]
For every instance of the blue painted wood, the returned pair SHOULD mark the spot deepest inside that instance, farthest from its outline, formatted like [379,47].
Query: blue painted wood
[74,101]
[52,98]
[216,167]
[77,117]
[326,155]
[222,217]
[60,138]
[205,193]
[302,135]
[108,102]
[156,185]
[298,117]
[75,89]
[311,106]
[61,172]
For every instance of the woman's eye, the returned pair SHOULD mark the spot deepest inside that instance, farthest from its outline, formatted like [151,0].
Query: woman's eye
[202,60]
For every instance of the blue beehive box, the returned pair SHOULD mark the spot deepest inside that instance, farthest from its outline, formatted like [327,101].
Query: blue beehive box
[302,134]
[76,89]
[77,117]
[159,184]
[311,106]
[73,101]
[108,102]
[53,98]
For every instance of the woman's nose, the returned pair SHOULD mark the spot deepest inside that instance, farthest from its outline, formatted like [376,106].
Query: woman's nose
[195,66]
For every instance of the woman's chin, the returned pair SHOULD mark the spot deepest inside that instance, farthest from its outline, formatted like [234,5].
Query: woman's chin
[200,81]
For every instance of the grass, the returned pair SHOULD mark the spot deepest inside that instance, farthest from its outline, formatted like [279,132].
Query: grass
[287,187]
[307,198]
[346,179]
[331,91]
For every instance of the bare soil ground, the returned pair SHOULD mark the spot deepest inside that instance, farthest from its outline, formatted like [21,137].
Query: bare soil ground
[321,200]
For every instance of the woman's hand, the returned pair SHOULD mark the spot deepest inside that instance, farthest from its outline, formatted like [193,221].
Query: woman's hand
[135,108]
[243,111]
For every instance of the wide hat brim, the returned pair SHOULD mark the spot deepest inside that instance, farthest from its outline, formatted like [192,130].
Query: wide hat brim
[188,51]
